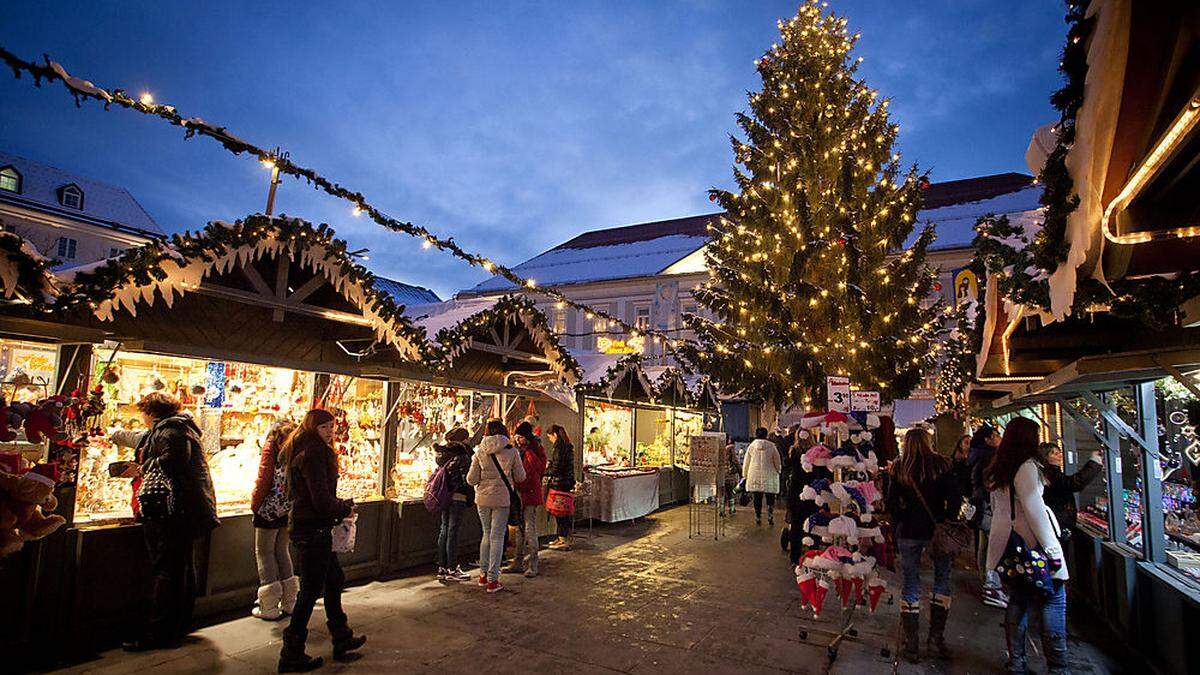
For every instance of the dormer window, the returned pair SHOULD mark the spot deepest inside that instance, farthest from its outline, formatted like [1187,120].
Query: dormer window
[71,196]
[10,179]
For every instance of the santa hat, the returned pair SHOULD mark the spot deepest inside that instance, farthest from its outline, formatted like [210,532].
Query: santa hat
[817,599]
[45,474]
[806,583]
[817,455]
[875,589]
[844,526]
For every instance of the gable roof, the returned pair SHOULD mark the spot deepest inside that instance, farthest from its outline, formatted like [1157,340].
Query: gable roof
[103,204]
[648,249]
[406,294]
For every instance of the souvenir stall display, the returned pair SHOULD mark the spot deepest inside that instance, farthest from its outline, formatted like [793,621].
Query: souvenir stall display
[842,536]
[652,435]
[358,406]
[424,413]
[687,424]
[608,433]
[26,370]
[234,404]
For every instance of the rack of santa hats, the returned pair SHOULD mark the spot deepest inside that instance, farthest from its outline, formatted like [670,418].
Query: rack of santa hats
[844,527]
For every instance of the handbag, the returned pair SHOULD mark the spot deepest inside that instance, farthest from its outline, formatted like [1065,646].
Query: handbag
[1022,564]
[950,537]
[156,494]
[276,505]
[516,515]
[560,503]
[345,534]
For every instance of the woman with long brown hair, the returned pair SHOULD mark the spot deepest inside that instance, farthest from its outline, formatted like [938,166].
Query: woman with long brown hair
[312,478]
[922,493]
[278,586]
[1016,480]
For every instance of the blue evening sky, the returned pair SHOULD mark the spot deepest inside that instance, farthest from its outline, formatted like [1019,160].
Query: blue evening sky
[512,126]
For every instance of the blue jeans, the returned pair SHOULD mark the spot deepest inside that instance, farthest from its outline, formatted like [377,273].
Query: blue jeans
[1054,627]
[910,567]
[447,543]
[491,545]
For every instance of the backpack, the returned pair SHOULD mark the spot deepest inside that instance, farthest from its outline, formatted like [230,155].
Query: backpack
[437,491]
[276,505]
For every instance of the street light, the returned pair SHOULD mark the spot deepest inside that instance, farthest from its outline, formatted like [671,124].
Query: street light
[270,163]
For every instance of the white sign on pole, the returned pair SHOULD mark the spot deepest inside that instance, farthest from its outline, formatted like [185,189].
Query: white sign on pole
[837,391]
[864,401]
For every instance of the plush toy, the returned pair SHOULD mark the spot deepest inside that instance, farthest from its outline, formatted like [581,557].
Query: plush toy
[24,501]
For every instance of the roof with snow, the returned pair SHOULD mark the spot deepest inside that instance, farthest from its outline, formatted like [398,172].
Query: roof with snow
[103,204]
[648,249]
[406,294]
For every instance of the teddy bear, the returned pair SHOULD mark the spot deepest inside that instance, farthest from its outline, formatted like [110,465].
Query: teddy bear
[24,501]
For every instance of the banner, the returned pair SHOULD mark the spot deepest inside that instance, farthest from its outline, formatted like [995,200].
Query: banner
[837,393]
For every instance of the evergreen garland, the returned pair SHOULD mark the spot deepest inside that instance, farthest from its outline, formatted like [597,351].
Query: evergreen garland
[25,275]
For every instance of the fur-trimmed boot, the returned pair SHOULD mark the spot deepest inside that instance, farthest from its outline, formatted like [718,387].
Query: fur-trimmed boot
[291,588]
[292,658]
[267,607]
[910,624]
[939,611]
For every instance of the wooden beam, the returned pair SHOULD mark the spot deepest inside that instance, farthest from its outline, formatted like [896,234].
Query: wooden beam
[257,281]
[281,282]
[506,352]
[280,306]
[307,289]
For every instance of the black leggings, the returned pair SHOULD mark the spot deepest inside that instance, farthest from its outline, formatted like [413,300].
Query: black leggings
[320,574]
[758,500]
[564,526]
[172,592]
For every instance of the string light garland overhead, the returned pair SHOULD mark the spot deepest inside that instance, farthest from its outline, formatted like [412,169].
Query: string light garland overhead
[83,90]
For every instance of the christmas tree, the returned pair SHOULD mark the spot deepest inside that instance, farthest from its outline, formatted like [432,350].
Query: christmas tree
[808,276]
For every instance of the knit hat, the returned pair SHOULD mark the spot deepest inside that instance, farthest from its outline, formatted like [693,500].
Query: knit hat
[457,435]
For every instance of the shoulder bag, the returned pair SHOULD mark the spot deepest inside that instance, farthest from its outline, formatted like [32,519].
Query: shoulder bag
[516,515]
[156,494]
[950,537]
[1022,564]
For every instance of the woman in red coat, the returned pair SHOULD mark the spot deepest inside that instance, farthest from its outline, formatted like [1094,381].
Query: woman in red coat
[533,457]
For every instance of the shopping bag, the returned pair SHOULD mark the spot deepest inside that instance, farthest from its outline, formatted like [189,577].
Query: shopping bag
[560,503]
[344,534]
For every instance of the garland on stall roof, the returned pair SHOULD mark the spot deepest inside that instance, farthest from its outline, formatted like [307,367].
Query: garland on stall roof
[84,90]
[25,274]
[612,375]
[180,266]
[1050,247]
[457,339]
[671,381]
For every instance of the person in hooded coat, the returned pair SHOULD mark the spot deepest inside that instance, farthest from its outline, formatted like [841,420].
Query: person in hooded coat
[760,468]
[983,448]
[455,457]
[496,468]
[171,445]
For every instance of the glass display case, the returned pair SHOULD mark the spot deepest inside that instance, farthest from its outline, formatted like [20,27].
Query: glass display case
[234,404]
[424,413]
[27,370]
[608,434]
[687,424]
[358,405]
[652,437]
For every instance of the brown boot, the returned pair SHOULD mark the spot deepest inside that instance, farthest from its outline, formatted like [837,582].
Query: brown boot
[910,620]
[939,611]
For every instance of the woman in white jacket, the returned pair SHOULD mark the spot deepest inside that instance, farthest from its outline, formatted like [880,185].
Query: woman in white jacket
[492,496]
[1015,482]
[760,469]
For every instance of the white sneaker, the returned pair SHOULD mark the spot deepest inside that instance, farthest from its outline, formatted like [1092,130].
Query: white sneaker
[994,597]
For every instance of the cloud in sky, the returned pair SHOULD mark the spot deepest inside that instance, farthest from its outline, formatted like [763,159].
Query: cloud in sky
[511,126]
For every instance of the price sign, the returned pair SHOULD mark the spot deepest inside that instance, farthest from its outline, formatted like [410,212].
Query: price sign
[837,391]
[864,401]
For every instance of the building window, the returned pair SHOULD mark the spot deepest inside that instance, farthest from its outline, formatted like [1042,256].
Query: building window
[71,197]
[66,248]
[560,321]
[641,317]
[10,180]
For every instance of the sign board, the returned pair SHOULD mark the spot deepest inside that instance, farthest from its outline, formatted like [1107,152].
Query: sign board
[608,345]
[966,286]
[707,459]
[864,401]
[922,394]
[837,392]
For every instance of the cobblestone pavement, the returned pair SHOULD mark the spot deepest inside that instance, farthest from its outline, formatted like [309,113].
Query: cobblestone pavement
[635,598]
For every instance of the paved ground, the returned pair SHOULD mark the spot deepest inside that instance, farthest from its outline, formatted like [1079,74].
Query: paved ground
[639,598]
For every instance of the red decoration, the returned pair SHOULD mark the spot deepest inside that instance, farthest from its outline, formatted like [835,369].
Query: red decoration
[937,286]
[712,196]
[841,241]
[924,184]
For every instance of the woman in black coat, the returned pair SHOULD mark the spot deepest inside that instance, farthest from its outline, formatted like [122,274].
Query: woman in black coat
[312,478]
[455,458]
[171,446]
[560,475]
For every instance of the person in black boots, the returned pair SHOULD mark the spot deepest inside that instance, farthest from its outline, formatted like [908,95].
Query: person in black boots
[169,453]
[560,475]
[312,478]
[455,457]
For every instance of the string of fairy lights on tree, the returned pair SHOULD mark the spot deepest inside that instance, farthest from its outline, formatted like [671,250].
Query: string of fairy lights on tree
[808,274]
[83,90]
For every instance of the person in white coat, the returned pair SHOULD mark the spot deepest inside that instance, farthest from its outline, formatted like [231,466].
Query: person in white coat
[496,469]
[1015,481]
[760,469]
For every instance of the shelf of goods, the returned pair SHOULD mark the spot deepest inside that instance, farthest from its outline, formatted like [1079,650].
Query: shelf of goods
[608,429]
[27,370]
[234,404]
[358,405]
[424,413]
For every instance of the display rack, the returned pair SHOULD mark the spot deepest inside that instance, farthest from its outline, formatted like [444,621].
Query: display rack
[706,484]
[837,537]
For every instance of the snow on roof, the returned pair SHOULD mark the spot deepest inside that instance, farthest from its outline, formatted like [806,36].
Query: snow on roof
[104,204]
[436,316]
[406,294]
[648,249]
[956,223]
